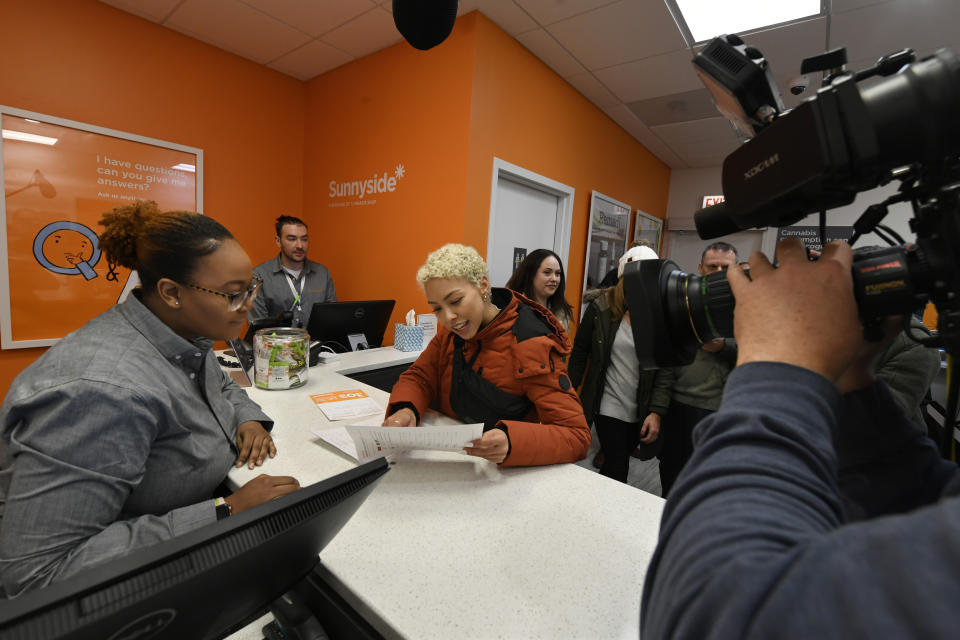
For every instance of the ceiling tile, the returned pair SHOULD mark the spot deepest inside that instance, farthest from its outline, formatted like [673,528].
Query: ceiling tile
[676,107]
[710,137]
[311,60]
[365,34]
[542,45]
[595,92]
[314,18]
[550,11]
[236,27]
[879,29]
[504,13]
[154,10]
[786,47]
[618,33]
[629,122]
[651,77]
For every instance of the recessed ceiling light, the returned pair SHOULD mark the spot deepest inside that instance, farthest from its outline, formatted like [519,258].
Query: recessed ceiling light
[708,19]
[28,137]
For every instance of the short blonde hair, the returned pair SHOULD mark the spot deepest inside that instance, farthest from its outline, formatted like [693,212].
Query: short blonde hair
[453,261]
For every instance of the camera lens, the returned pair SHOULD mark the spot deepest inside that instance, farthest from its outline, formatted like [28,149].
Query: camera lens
[673,312]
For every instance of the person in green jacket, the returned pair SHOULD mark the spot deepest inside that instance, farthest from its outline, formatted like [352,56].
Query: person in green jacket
[625,403]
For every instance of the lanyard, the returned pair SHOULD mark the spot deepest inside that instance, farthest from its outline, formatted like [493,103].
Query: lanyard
[293,290]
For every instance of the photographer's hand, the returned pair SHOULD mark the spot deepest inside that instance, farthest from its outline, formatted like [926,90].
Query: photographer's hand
[802,313]
[861,372]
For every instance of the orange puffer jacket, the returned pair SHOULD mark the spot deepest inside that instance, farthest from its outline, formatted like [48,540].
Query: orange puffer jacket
[554,430]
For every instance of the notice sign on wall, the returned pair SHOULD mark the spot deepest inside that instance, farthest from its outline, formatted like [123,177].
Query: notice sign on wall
[59,178]
[810,235]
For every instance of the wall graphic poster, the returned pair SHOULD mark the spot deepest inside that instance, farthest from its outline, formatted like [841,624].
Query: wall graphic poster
[59,177]
[606,238]
[810,235]
[648,228]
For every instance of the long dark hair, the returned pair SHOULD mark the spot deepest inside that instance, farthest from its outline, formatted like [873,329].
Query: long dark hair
[159,244]
[522,282]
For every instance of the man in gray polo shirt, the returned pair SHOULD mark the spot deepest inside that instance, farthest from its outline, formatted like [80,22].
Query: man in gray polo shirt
[291,283]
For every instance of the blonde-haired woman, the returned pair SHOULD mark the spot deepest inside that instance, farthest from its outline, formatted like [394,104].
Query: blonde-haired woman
[497,359]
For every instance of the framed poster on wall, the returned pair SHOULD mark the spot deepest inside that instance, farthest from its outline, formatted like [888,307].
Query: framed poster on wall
[650,228]
[606,238]
[59,177]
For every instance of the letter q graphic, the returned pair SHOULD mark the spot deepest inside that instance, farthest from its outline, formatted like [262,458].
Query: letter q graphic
[67,248]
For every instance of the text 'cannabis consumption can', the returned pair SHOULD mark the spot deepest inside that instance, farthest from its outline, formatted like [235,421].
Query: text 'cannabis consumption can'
[280,358]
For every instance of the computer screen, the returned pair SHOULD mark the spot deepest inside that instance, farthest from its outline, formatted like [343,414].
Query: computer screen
[335,322]
[283,320]
[204,584]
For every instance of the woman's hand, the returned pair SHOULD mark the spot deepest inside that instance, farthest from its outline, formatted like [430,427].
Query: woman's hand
[493,446]
[254,444]
[650,430]
[402,418]
[260,490]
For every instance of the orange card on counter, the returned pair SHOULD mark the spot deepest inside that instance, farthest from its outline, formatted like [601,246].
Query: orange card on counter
[340,405]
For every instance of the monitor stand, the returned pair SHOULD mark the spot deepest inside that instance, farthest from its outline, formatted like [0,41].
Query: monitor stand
[358,342]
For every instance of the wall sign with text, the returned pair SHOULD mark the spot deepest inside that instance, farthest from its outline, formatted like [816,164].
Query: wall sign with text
[59,178]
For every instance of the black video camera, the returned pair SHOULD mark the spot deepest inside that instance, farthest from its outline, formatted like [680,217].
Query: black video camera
[848,138]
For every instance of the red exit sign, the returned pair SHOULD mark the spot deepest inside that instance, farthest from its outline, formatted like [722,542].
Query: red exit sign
[709,201]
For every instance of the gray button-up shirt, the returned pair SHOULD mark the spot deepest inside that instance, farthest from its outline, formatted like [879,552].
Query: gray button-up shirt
[113,440]
[275,296]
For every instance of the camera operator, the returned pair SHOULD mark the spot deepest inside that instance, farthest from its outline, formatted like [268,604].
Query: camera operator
[788,521]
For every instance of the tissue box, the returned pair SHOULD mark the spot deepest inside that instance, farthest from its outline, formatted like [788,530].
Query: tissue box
[407,338]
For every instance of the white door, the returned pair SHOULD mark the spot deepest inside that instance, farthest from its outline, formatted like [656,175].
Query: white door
[527,212]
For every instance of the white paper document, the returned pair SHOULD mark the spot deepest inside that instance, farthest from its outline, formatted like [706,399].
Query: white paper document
[365,442]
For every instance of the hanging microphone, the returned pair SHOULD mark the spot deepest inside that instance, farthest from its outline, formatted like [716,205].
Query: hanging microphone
[424,23]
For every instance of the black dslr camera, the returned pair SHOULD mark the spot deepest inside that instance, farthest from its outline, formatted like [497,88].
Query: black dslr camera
[851,136]
[846,139]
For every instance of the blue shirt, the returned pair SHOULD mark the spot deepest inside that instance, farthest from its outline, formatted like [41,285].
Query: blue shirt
[807,514]
[114,439]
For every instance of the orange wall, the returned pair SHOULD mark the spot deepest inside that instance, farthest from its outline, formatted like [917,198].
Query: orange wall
[273,144]
[527,115]
[445,114]
[85,61]
[399,106]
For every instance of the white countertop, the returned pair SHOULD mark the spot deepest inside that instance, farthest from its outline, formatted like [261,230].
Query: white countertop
[450,546]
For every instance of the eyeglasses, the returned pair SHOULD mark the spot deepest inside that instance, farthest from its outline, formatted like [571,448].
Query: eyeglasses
[235,301]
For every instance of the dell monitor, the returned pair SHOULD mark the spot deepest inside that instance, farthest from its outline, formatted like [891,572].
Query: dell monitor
[204,584]
[350,325]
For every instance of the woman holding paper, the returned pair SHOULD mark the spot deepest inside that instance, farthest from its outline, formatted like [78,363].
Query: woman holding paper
[498,358]
[117,437]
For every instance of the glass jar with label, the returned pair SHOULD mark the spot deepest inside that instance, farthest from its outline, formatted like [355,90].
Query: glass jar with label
[281,355]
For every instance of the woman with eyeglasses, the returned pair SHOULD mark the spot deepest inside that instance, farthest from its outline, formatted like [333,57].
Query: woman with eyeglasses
[117,437]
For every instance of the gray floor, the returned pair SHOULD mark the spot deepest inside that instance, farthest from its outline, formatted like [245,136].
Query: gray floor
[644,474]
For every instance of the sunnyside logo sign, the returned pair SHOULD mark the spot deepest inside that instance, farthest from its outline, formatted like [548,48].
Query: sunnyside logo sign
[360,193]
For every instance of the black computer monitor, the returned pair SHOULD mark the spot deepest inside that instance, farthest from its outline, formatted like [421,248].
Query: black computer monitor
[204,584]
[283,320]
[335,322]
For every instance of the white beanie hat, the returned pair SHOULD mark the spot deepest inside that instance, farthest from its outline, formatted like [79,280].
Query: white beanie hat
[635,253]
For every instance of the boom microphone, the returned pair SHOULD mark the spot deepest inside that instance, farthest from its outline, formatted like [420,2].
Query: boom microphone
[424,23]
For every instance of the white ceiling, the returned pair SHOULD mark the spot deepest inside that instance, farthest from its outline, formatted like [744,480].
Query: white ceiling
[627,56]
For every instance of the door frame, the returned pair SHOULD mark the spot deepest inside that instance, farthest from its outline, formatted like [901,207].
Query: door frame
[563,192]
